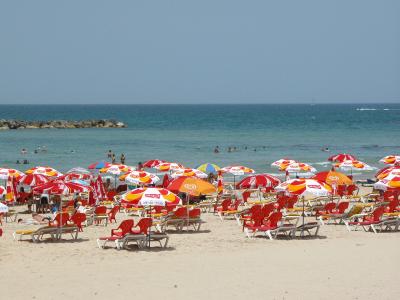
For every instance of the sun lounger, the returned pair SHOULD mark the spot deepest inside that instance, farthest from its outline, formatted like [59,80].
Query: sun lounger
[366,221]
[55,232]
[116,234]
[307,227]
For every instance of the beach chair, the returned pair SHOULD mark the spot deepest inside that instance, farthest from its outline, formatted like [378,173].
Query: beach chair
[139,236]
[366,221]
[112,214]
[339,214]
[78,219]
[116,234]
[100,215]
[176,219]
[36,234]
[228,209]
[194,219]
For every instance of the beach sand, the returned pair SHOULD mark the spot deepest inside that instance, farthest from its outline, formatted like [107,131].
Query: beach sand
[219,262]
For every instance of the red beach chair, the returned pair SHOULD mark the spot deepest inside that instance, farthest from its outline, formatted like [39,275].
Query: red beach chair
[116,234]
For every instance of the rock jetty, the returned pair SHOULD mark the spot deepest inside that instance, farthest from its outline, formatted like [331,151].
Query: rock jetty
[59,124]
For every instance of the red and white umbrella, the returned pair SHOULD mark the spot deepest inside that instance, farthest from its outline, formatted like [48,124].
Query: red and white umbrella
[151,197]
[237,170]
[390,159]
[33,179]
[139,177]
[60,187]
[298,167]
[395,170]
[117,169]
[341,157]
[153,163]
[350,165]
[76,176]
[79,170]
[189,173]
[390,182]
[305,187]
[282,162]
[46,171]
[5,173]
[2,191]
[257,181]
[169,166]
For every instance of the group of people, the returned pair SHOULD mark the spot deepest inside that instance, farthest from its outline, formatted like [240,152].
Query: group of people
[111,156]
[230,149]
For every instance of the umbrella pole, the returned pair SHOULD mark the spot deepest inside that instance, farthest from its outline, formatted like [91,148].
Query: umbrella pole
[303,215]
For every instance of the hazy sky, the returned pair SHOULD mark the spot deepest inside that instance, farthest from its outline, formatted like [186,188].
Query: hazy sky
[204,51]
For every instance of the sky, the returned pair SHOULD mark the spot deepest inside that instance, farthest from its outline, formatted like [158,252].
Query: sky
[208,51]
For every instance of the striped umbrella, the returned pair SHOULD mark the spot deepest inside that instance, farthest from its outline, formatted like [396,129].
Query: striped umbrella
[189,173]
[5,173]
[169,166]
[60,187]
[208,168]
[76,176]
[33,179]
[2,191]
[390,182]
[350,165]
[390,159]
[151,197]
[395,170]
[305,187]
[79,170]
[298,167]
[341,157]
[117,169]
[153,163]
[11,190]
[280,163]
[99,165]
[237,170]
[46,171]
[257,181]
[139,177]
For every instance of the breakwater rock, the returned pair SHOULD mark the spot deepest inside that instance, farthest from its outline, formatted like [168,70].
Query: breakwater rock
[60,124]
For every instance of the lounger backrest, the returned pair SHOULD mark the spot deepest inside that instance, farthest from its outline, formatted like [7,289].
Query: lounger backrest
[274,218]
[393,205]
[114,211]
[62,219]
[181,212]
[225,204]
[329,207]
[255,209]
[342,206]
[195,213]
[126,226]
[236,204]
[78,218]
[267,209]
[100,210]
[378,212]
[257,219]
[246,195]
[144,225]
[355,210]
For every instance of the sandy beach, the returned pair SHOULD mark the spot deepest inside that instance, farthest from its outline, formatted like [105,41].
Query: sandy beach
[217,262]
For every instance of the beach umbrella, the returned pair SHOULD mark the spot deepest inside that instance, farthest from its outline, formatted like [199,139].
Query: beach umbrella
[333,178]
[390,159]
[79,181]
[3,208]
[297,167]
[192,186]
[390,182]
[153,163]
[220,183]
[169,166]
[33,179]
[189,173]
[99,191]
[282,162]
[11,190]
[2,191]
[46,171]
[5,173]
[79,170]
[139,177]
[341,157]
[304,187]
[99,165]
[208,168]
[76,176]
[60,187]
[395,170]
[350,165]
[151,197]
[117,169]
[236,171]
[257,181]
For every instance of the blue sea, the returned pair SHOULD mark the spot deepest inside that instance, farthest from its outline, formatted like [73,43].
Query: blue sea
[189,133]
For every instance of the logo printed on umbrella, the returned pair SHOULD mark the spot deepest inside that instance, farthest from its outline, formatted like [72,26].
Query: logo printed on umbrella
[154,196]
[190,186]
[314,186]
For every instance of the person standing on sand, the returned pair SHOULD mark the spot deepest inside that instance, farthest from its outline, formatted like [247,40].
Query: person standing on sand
[122,159]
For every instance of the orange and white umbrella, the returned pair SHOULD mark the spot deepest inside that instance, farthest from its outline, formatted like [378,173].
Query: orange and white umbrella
[151,197]
[169,166]
[350,165]
[46,171]
[117,169]
[282,162]
[395,170]
[305,187]
[392,181]
[390,159]
[189,173]
[237,170]
[5,173]
[298,167]
[139,177]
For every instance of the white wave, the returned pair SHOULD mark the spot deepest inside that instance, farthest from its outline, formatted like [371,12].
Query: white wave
[366,109]
[321,163]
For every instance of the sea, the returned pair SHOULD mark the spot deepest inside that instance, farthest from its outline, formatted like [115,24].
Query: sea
[256,134]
